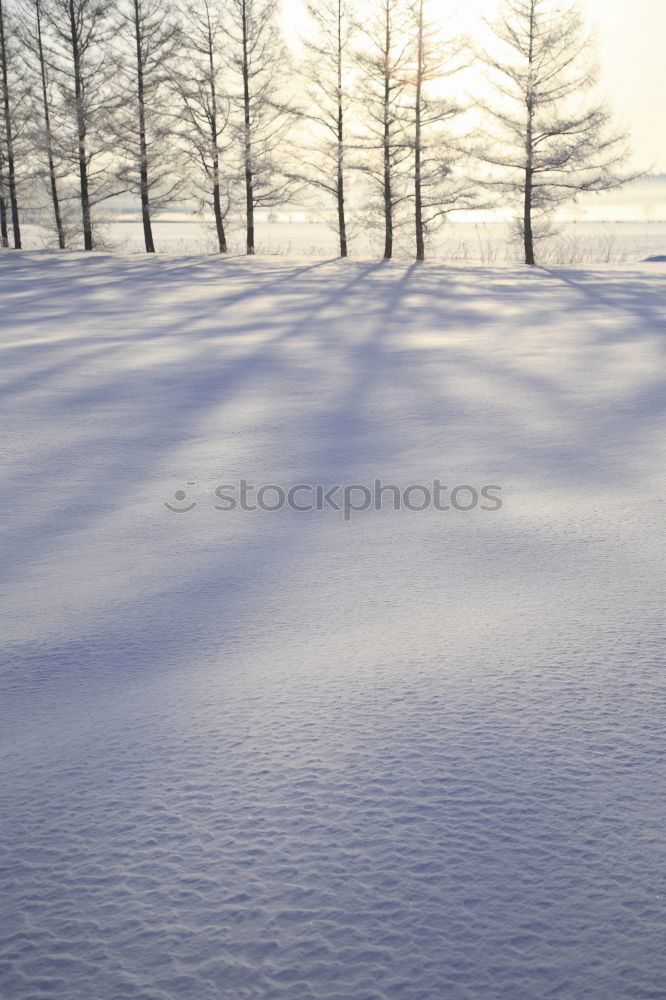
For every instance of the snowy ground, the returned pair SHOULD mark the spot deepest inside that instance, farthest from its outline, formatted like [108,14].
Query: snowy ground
[249,755]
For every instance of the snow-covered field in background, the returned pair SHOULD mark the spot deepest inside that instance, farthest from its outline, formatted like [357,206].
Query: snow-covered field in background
[461,242]
[414,756]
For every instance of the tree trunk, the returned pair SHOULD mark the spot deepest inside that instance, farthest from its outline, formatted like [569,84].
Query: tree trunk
[145,213]
[217,208]
[249,179]
[418,202]
[47,125]
[8,136]
[528,234]
[527,220]
[143,150]
[342,224]
[4,235]
[81,131]
[388,203]
[217,204]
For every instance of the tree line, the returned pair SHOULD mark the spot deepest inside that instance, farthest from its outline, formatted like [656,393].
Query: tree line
[177,101]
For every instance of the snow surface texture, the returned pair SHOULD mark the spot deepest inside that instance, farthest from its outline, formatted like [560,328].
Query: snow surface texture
[419,755]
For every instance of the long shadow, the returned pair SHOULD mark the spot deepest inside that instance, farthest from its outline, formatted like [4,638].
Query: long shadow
[206,598]
[83,279]
[344,437]
[638,297]
[148,428]
[589,428]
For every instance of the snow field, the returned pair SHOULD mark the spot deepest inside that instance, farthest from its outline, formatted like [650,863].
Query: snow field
[252,755]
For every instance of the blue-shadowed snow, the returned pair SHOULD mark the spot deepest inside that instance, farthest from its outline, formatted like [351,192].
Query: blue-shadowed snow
[248,755]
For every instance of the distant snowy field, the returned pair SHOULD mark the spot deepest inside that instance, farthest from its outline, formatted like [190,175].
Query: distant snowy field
[414,756]
[615,242]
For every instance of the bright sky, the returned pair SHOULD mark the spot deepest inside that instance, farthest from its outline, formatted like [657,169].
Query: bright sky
[631,53]
[632,35]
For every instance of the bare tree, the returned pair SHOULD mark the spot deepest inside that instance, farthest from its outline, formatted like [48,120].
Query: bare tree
[263,115]
[86,73]
[145,125]
[326,68]
[548,145]
[203,107]
[439,183]
[384,145]
[36,58]
[8,137]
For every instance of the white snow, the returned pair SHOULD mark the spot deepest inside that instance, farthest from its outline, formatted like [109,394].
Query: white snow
[248,756]
[480,241]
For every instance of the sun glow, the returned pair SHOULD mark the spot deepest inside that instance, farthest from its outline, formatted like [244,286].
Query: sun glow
[630,63]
